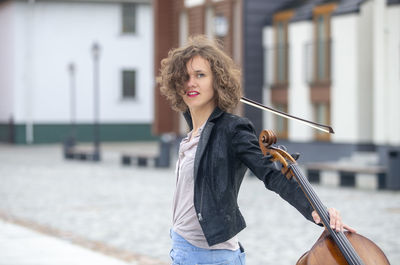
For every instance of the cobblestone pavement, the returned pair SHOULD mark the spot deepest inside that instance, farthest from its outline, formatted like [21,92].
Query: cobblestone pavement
[126,211]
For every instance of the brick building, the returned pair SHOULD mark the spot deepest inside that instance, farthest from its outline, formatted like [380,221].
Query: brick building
[175,21]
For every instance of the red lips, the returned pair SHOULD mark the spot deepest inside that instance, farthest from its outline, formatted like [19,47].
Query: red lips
[192,93]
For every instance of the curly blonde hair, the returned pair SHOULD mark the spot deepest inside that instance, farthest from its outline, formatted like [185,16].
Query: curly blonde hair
[226,75]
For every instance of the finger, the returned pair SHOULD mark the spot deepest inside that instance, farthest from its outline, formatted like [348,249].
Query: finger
[349,228]
[316,217]
[332,218]
[338,224]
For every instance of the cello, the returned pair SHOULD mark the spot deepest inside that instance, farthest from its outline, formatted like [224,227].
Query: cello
[332,247]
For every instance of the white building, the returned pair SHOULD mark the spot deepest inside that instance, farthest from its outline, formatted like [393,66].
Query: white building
[337,63]
[48,72]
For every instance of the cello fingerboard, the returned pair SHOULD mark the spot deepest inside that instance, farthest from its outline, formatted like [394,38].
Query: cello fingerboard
[340,239]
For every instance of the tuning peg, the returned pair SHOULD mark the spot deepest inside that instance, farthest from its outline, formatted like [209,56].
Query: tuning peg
[282,147]
[295,156]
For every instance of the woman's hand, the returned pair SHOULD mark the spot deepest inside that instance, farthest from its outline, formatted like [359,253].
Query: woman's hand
[335,221]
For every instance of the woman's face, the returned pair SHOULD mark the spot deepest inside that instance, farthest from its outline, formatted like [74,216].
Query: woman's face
[199,92]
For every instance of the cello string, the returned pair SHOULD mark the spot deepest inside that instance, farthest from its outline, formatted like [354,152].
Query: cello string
[311,193]
[321,209]
[341,239]
[351,250]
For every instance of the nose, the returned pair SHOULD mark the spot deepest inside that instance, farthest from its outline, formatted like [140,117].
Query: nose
[191,82]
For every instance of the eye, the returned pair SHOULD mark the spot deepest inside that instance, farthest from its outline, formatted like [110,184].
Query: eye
[199,75]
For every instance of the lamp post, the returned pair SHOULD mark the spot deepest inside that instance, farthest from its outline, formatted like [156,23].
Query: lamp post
[71,70]
[69,142]
[96,98]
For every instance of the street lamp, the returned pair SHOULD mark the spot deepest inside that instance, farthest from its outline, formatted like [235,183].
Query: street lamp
[96,98]
[71,70]
[69,142]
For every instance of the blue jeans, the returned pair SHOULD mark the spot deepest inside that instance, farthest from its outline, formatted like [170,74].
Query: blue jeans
[184,253]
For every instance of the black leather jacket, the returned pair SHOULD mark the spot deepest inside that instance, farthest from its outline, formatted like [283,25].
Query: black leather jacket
[227,147]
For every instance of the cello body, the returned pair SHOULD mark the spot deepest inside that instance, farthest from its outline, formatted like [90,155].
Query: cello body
[326,252]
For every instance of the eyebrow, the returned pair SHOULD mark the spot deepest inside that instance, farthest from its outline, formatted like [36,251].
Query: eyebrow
[203,70]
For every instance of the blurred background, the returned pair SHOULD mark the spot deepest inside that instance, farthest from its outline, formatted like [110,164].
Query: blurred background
[85,134]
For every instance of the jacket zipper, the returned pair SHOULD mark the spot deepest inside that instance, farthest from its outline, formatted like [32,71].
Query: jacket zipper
[201,203]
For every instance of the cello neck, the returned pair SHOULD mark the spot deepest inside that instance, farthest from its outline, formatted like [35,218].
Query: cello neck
[340,239]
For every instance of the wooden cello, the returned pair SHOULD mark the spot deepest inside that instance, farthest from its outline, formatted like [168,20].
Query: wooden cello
[332,247]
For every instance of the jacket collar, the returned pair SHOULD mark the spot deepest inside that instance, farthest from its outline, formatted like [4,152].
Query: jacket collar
[215,114]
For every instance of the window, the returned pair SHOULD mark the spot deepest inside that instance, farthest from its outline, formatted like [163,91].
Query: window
[281,124]
[321,48]
[128,84]
[322,115]
[320,85]
[322,43]
[279,55]
[281,51]
[128,18]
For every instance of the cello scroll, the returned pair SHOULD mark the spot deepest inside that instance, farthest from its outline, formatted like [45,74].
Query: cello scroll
[266,140]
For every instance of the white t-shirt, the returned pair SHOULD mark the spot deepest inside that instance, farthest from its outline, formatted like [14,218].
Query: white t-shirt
[185,221]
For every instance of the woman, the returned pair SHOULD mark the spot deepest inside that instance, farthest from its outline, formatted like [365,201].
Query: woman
[201,81]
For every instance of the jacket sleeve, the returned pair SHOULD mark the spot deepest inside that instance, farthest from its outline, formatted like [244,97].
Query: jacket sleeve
[246,148]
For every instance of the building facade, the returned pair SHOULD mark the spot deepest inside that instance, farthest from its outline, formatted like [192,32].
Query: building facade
[337,63]
[175,21]
[71,64]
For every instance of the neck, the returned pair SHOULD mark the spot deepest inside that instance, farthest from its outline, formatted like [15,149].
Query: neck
[199,117]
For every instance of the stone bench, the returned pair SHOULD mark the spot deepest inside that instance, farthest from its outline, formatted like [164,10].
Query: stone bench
[140,160]
[160,158]
[347,175]
[81,154]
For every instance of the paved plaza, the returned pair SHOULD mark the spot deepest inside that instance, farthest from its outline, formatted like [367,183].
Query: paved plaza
[124,212]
